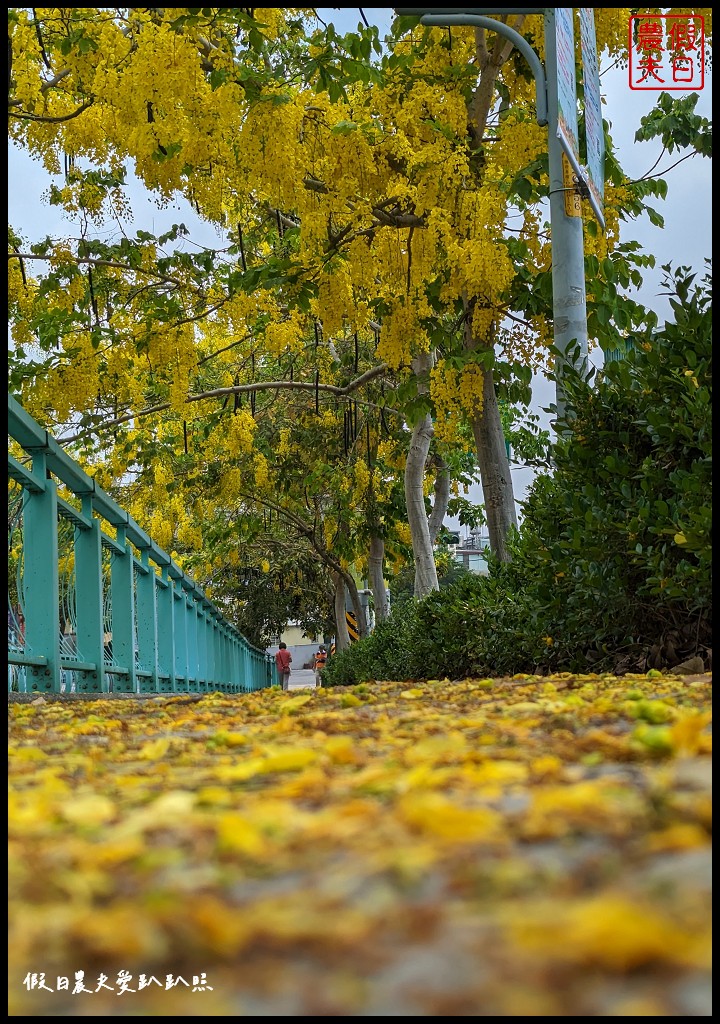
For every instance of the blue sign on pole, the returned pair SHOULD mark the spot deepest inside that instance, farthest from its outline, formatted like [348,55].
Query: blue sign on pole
[594,133]
[592,177]
[567,127]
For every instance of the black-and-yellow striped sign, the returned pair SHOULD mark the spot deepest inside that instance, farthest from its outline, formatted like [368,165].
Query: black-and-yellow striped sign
[352,626]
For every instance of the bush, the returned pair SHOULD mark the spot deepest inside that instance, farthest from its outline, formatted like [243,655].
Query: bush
[385,654]
[616,544]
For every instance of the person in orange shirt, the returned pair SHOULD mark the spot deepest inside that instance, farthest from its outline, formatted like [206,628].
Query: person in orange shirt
[319,664]
[283,660]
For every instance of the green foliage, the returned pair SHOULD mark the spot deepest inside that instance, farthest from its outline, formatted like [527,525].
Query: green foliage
[262,604]
[612,567]
[385,654]
[674,121]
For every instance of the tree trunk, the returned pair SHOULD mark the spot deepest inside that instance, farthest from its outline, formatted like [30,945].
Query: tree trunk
[360,619]
[342,637]
[442,498]
[376,578]
[487,428]
[426,579]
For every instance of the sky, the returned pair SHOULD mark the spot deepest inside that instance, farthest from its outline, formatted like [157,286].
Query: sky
[687,210]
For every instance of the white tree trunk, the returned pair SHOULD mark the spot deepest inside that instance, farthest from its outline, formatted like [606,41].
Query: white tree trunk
[442,499]
[426,579]
[498,497]
[487,428]
[495,476]
[376,578]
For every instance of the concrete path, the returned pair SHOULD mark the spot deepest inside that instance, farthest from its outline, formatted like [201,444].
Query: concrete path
[302,679]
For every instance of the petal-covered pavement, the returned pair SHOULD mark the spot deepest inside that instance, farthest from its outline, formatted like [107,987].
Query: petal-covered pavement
[533,846]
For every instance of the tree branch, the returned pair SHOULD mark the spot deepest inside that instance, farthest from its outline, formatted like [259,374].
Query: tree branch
[99,263]
[50,120]
[278,385]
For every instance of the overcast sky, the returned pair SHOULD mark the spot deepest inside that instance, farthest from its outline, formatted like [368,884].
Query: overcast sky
[685,239]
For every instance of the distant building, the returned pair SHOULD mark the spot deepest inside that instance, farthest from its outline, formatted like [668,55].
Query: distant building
[469,550]
[623,346]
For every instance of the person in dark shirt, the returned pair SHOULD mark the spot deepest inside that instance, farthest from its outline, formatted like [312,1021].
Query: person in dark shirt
[283,660]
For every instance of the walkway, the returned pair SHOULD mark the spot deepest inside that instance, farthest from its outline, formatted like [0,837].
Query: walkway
[302,679]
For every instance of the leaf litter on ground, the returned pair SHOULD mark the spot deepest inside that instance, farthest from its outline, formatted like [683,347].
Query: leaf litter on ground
[529,846]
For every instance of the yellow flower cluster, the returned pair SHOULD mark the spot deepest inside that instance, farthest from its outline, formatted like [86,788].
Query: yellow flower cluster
[401,334]
[483,323]
[529,343]
[362,481]
[284,447]
[267,147]
[612,25]
[329,527]
[86,197]
[402,533]
[230,484]
[231,440]
[74,385]
[349,164]
[262,471]
[456,394]
[284,335]
[21,293]
[403,263]
[162,477]
[271,20]
[121,376]
[160,529]
[520,141]
[432,98]
[335,302]
[189,534]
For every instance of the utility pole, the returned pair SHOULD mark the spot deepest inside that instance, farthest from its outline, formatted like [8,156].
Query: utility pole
[567,178]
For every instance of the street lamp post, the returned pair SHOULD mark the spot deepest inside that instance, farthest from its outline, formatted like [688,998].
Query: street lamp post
[566,232]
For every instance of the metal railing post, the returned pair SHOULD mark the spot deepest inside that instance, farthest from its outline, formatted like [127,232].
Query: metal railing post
[146,625]
[122,585]
[41,582]
[89,628]
[181,651]
[166,632]
[192,650]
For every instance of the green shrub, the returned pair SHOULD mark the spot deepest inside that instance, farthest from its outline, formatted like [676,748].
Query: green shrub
[384,654]
[616,543]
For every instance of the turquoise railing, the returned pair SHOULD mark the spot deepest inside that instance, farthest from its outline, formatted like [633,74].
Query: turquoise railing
[93,613]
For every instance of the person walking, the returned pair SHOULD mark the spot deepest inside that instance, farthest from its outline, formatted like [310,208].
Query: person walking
[283,660]
[319,663]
